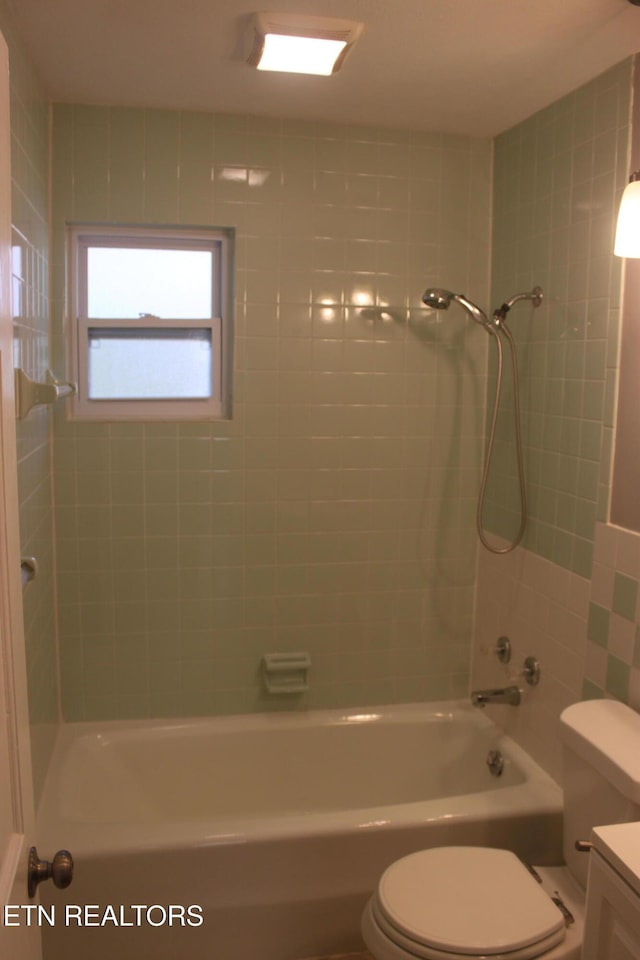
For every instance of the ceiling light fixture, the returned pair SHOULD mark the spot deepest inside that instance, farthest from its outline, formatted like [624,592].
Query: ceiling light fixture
[627,243]
[294,43]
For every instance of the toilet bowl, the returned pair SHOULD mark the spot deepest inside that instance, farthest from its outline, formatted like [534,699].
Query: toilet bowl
[458,903]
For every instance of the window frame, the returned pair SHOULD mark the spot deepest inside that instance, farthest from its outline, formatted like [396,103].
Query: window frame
[218,241]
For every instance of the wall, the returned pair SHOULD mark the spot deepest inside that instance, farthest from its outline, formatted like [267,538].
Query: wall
[568,594]
[334,513]
[625,503]
[30,199]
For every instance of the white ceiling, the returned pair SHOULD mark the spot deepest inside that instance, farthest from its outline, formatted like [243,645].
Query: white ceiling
[464,66]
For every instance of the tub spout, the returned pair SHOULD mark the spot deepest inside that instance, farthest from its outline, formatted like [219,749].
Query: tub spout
[510,695]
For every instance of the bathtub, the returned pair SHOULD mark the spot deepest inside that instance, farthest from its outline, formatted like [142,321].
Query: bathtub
[273,828]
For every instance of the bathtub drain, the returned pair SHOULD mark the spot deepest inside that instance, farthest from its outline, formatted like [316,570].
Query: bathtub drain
[495,762]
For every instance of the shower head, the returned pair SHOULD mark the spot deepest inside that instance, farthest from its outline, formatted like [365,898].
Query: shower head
[441,299]
[438,299]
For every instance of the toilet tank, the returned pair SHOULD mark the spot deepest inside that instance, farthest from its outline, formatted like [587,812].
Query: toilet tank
[601,772]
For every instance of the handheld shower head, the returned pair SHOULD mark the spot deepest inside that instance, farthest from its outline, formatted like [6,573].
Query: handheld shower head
[437,299]
[474,311]
[441,299]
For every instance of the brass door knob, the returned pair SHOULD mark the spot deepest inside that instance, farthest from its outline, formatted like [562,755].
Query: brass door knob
[60,870]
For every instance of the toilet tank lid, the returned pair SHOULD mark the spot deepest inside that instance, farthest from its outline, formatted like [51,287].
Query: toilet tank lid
[606,733]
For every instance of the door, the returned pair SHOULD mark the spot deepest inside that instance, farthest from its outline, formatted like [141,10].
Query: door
[20,941]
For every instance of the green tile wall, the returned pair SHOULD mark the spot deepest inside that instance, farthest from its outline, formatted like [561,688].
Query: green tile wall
[569,594]
[335,513]
[558,177]
[30,295]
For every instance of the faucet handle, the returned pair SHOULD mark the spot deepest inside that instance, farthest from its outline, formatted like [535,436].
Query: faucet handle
[503,649]
[531,671]
[500,649]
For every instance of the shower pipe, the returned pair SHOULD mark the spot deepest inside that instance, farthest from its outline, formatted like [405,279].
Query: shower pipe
[441,300]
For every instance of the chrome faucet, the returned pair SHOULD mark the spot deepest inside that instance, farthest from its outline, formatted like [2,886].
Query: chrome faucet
[510,695]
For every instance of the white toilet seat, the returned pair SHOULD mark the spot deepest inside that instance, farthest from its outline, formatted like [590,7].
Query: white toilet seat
[398,947]
[456,903]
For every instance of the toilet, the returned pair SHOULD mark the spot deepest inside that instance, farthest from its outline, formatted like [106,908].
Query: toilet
[458,903]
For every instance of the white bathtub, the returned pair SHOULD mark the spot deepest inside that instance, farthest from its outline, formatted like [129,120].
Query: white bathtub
[278,826]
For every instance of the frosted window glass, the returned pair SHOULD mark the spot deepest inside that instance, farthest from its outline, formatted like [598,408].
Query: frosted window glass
[126,282]
[133,363]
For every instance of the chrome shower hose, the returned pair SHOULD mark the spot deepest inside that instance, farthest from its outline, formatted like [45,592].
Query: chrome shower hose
[494,330]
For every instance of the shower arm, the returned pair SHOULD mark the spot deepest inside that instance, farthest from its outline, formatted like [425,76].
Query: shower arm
[535,295]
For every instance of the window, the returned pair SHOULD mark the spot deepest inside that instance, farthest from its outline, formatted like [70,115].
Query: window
[151,322]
